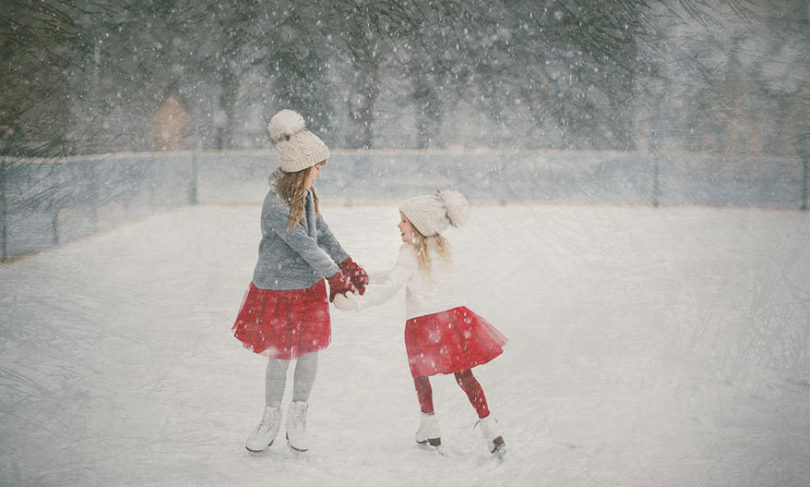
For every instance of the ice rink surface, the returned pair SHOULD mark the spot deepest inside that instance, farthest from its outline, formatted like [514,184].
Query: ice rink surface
[648,347]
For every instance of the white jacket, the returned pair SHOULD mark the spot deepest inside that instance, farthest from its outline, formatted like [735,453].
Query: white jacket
[424,294]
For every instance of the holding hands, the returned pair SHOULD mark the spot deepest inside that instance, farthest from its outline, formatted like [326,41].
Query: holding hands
[345,283]
[355,273]
[346,302]
[339,284]
[351,278]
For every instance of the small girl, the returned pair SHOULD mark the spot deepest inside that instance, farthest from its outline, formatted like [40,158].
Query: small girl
[441,335]
[285,313]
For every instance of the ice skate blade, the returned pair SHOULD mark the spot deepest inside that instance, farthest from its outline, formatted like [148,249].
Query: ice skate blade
[294,449]
[438,450]
[499,449]
[259,451]
[434,442]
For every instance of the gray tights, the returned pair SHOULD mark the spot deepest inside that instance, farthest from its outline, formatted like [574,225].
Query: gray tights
[306,368]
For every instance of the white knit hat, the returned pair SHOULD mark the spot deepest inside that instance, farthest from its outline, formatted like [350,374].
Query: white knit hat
[433,213]
[297,147]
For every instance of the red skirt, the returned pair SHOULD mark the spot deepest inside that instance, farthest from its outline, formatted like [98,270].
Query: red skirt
[284,324]
[451,341]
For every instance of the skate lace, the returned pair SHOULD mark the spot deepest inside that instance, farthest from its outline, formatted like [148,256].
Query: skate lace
[300,425]
[265,425]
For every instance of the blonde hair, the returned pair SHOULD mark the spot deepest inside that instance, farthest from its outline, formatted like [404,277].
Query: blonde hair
[425,246]
[291,187]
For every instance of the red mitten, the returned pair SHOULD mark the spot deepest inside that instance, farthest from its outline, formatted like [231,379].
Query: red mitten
[339,284]
[356,274]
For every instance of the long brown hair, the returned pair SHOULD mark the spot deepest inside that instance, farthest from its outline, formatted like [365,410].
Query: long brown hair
[291,187]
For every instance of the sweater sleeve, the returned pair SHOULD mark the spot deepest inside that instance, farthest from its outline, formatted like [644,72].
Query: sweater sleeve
[329,243]
[385,285]
[299,241]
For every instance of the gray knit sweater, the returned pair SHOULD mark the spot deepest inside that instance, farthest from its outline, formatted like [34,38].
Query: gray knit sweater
[300,258]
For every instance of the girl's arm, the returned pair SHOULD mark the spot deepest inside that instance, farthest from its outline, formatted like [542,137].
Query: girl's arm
[329,243]
[275,217]
[378,277]
[379,291]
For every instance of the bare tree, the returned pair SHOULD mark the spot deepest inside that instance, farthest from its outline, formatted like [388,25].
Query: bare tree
[33,108]
[696,74]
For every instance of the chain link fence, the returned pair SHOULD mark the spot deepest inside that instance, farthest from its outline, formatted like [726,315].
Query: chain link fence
[48,202]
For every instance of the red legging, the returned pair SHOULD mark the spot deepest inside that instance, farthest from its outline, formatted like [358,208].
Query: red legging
[468,384]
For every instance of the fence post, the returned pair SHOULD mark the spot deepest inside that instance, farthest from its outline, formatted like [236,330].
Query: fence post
[93,198]
[55,226]
[804,185]
[3,231]
[656,184]
[192,188]
[54,205]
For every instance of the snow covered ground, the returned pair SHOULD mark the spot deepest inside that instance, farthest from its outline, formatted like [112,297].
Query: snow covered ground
[664,347]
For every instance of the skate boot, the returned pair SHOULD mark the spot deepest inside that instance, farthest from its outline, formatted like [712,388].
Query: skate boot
[297,426]
[428,432]
[492,435]
[266,432]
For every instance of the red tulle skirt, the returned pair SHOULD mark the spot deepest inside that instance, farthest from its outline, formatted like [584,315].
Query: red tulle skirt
[284,324]
[450,341]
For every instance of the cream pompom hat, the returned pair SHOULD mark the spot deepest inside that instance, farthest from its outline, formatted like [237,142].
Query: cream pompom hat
[433,213]
[297,147]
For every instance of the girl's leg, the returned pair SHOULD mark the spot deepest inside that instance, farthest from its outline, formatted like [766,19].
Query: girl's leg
[428,432]
[275,380]
[305,371]
[489,427]
[424,393]
[475,393]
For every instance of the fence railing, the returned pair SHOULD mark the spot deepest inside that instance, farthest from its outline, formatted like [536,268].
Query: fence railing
[44,203]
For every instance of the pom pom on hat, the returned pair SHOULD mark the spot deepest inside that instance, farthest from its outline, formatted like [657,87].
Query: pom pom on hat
[457,206]
[284,124]
[433,213]
[297,147]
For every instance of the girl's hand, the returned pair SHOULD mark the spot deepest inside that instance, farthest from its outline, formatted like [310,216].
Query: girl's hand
[339,284]
[356,274]
[346,302]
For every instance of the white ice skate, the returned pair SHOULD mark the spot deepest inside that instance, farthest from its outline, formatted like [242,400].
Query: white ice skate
[266,432]
[428,432]
[492,435]
[297,426]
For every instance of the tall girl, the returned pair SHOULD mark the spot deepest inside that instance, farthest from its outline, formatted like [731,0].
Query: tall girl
[442,336]
[285,313]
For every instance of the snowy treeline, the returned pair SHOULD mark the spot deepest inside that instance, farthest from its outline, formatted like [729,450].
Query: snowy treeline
[728,77]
